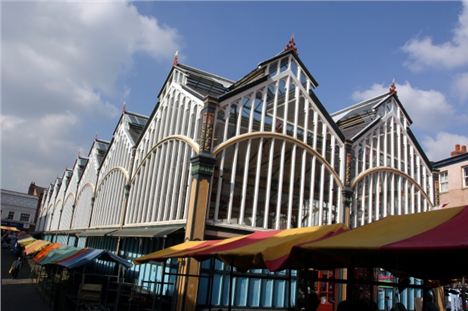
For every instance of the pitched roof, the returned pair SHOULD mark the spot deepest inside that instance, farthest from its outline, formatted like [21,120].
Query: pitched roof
[354,119]
[136,125]
[204,83]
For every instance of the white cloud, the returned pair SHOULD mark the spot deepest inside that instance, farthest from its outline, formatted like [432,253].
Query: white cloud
[425,53]
[60,66]
[440,146]
[461,86]
[429,109]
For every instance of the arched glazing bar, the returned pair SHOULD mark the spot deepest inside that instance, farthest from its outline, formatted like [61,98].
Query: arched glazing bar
[394,176]
[275,183]
[160,181]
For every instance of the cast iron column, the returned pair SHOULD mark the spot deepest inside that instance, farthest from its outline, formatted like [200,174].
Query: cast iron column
[202,171]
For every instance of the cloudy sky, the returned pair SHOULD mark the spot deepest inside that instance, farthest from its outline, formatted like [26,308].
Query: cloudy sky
[67,68]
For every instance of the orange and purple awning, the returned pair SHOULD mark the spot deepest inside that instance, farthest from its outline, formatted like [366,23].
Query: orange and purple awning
[35,246]
[46,250]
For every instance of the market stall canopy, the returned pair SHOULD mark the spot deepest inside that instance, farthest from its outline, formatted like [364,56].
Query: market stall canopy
[176,251]
[35,246]
[268,249]
[261,249]
[46,250]
[58,254]
[8,228]
[429,245]
[87,255]
[25,240]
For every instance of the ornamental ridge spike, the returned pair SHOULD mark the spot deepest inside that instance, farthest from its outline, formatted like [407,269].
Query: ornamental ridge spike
[175,61]
[291,46]
[392,89]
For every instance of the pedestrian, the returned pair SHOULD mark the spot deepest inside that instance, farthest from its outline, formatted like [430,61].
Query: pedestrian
[16,267]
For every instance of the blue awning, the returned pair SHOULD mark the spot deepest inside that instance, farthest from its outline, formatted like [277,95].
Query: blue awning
[88,255]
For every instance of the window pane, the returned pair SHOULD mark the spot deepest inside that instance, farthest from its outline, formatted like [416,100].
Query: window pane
[284,64]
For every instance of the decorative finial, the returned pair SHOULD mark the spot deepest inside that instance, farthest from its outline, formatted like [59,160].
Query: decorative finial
[175,61]
[392,88]
[124,107]
[96,137]
[291,46]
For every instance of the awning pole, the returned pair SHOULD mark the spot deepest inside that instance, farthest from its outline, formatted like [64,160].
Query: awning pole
[289,289]
[210,283]
[230,287]
[163,277]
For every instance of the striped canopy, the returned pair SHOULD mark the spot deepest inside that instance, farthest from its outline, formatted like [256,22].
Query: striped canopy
[427,245]
[73,257]
[262,249]
[8,228]
[58,254]
[86,255]
[35,246]
[25,240]
[46,250]
[177,251]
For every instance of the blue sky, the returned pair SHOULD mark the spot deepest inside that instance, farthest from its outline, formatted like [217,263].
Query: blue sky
[80,62]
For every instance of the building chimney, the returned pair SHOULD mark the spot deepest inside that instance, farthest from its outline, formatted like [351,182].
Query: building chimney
[458,150]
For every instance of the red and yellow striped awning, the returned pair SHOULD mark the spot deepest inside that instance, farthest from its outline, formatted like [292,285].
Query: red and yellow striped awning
[35,246]
[177,251]
[430,245]
[262,249]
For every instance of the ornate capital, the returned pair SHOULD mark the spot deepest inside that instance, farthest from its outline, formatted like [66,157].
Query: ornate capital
[203,165]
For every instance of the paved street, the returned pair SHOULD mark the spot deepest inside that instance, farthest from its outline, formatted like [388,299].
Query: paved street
[21,293]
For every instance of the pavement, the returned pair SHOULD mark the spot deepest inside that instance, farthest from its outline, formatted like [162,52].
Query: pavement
[21,293]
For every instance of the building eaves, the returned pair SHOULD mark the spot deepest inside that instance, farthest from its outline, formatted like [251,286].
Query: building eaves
[17,193]
[450,161]
[205,74]
[327,116]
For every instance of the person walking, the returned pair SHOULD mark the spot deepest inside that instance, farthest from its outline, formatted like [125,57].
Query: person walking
[16,267]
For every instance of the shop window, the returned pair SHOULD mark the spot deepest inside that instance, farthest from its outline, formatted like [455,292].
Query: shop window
[443,181]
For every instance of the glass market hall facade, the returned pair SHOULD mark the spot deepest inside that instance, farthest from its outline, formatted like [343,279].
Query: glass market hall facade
[218,158]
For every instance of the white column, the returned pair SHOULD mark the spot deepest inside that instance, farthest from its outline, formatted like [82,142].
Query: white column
[399,167]
[259,162]
[392,150]
[270,160]
[234,162]
[312,172]
[330,190]
[246,162]
[303,165]
[371,179]
[385,154]
[322,172]
[413,198]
